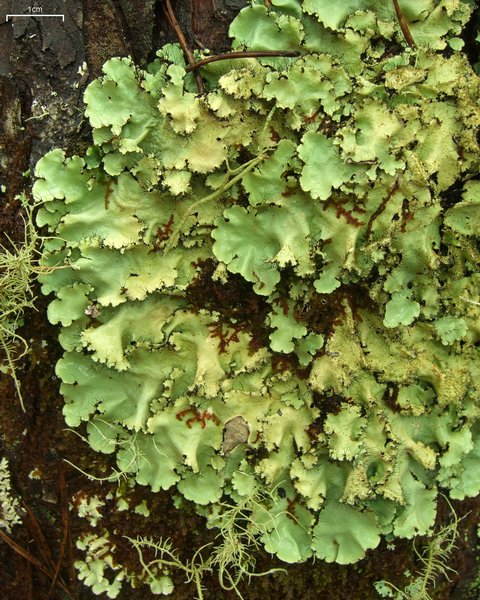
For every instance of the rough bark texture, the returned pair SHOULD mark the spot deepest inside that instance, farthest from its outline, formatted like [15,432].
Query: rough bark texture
[41,108]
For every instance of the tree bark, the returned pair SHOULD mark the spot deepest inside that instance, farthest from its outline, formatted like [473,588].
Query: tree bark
[40,57]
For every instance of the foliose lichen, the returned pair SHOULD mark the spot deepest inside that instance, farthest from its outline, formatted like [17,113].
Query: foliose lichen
[10,509]
[98,564]
[275,283]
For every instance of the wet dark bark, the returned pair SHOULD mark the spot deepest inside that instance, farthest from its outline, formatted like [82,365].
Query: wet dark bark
[41,89]
[41,108]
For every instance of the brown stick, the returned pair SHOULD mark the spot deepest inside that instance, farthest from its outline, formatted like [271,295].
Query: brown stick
[22,552]
[30,581]
[404,25]
[247,54]
[65,523]
[36,531]
[172,19]
[31,559]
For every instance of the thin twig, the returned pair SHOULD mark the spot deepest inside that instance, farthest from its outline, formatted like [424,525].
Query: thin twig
[30,558]
[247,54]
[30,581]
[404,25]
[22,552]
[36,532]
[65,523]
[183,43]
[42,544]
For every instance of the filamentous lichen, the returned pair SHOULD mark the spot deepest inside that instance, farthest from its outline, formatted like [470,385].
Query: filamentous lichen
[295,252]
[18,268]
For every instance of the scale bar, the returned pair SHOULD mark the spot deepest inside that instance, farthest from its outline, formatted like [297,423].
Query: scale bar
[36,15]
